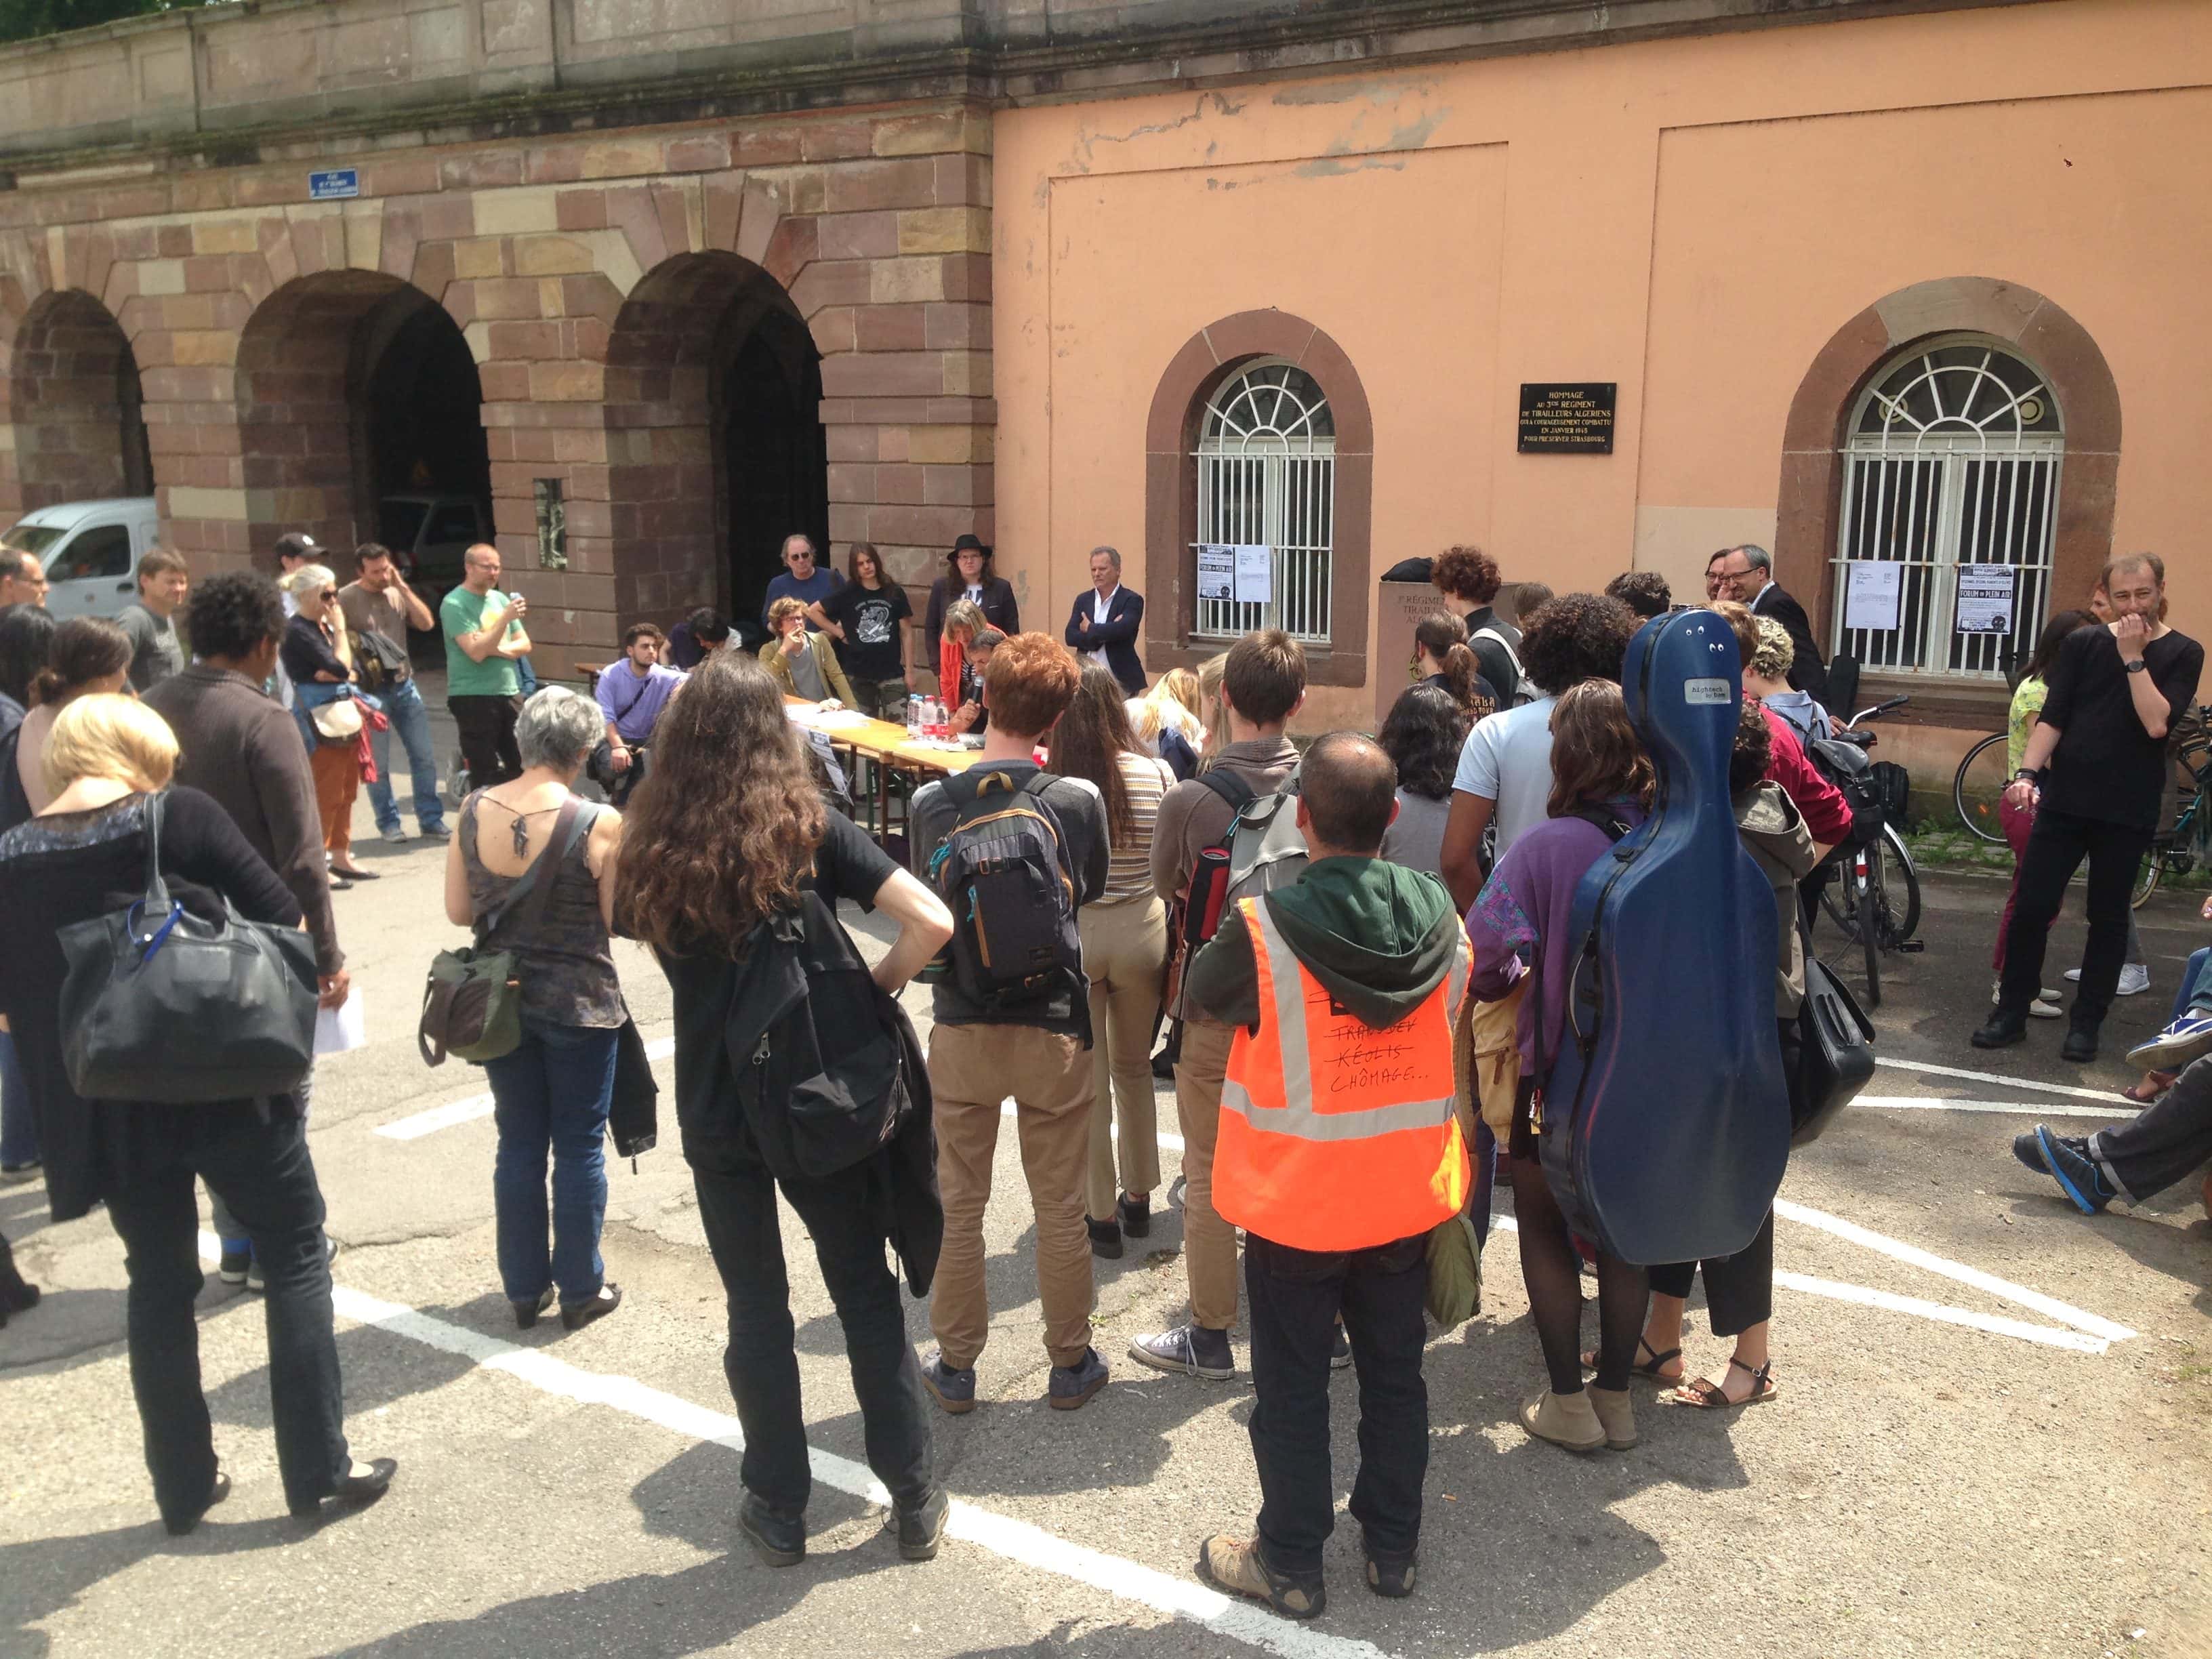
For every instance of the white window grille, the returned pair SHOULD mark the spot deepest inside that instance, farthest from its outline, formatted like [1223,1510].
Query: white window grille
[1267,474]
[1953,460]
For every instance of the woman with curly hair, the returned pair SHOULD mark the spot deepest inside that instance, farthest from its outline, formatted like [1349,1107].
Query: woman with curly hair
[1470,576]
[1520,926]
[1505,769]
[728,833]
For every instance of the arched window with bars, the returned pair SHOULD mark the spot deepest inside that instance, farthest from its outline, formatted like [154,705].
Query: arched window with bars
[1267,476]
[1951,463]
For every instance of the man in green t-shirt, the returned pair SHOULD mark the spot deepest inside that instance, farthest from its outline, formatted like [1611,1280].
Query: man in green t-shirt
[485,637]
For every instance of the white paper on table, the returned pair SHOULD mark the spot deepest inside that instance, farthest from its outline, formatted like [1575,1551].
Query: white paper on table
[1984,598]
[1873,595]
[1216,571]
[839,720]
[344,1027]
[1256,573]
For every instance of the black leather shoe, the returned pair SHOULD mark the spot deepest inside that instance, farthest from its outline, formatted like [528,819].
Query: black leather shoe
[1105,1239]
[2081,1045]
[609,1299]
[2001,1029]
[354,1490]
[922,1529]
[525,1313]
[781,1539]
[1137,1216]
[178,1525]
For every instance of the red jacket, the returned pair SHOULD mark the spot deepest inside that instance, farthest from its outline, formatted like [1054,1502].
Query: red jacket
[1827,815]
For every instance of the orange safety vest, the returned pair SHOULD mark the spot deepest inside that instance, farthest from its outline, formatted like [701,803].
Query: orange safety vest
[1336,1136]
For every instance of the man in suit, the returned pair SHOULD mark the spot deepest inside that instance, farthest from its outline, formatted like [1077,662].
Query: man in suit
[1102,627]
[1747,574]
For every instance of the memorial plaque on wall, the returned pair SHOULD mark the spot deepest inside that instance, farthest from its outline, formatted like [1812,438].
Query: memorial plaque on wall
[1573,419]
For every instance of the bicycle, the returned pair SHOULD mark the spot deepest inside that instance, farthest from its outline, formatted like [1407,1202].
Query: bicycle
[1978,785]
[2178,849]
[1876,900]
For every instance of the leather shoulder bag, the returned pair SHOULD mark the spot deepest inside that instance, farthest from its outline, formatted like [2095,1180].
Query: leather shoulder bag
[159,1006]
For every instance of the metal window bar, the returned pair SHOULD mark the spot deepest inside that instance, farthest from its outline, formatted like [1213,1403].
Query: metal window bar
[1267,474]
[1936,485]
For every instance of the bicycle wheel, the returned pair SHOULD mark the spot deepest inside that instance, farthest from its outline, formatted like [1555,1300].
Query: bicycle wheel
[1976,788]
[1899,888]
[2154,867]
[1868,870]
[1839,898]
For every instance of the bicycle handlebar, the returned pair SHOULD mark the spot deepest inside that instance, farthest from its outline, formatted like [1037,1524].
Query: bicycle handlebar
[1878,710]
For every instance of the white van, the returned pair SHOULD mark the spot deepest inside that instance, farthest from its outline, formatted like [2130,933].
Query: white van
[90,550]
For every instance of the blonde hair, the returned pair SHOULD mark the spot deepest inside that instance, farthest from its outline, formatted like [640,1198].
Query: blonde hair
[965,614]
[1173,701]
[1209,708]
[1775,653]
[310,579]
[106,735]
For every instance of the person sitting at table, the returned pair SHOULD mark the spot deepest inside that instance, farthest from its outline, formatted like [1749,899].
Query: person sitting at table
[970,715]
[631,694]
[804,664]
[964,621]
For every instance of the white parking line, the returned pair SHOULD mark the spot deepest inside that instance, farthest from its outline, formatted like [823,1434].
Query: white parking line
[1015,1540]
[1998,1108]
[469,1108]
[1992,1077]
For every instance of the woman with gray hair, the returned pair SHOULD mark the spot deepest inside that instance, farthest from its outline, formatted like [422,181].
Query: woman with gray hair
[533,871]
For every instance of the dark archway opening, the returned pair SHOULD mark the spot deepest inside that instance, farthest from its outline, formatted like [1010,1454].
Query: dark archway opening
[361,419]
[75,401]
[773,452]
[716,450]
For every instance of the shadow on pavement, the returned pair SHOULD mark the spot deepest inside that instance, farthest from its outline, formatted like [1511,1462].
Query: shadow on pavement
[40,1578]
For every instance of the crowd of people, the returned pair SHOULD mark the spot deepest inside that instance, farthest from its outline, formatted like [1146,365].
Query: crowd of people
[1345,940]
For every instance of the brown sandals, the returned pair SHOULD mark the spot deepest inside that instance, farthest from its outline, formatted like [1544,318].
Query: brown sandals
[1707,1395]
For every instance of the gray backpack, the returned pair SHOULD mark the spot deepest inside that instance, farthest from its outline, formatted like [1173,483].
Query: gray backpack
[1266,850]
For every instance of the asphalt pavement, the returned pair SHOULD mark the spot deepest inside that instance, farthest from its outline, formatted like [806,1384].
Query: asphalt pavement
[1990,1438]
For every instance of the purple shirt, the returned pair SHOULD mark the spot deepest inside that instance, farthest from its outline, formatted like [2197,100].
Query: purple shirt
[1530,896]
[634,704]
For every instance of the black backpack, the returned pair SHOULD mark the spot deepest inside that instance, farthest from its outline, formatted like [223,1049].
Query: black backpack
[828,1067]
[1002,870]
[1849,767]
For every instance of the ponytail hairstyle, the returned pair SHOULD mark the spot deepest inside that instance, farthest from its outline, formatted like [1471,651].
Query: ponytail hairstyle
[84,649]
[1444,638]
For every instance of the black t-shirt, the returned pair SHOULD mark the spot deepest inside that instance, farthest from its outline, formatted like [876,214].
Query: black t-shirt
[848,865]
[1496,661]
[2106,767]
[869,617]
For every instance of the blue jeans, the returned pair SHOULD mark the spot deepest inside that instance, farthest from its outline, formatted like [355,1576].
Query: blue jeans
[19,1130]
[402,708]
[2185,994]
[551,1093]
[306,699]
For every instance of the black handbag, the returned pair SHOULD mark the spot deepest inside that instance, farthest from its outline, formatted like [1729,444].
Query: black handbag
[634,1109]
[159,1006]
[1835,1054]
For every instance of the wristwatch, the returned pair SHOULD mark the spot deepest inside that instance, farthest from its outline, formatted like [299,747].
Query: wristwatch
[2137,666]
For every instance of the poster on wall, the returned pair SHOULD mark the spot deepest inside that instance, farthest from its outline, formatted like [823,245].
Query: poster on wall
[1217,571]
[1256,573]
[1985,598]
[1873,596]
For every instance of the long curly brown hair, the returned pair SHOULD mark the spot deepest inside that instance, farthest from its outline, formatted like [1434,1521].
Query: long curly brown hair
[725,825]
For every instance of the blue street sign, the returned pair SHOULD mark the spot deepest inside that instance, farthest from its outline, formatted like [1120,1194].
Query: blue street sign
[335,186]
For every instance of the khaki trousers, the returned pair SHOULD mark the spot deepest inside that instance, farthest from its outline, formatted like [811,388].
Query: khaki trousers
[336,770]
[971,1069]
[1209,1243]
[1124,955]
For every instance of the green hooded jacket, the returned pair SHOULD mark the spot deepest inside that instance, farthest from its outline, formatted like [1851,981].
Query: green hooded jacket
[1377,936]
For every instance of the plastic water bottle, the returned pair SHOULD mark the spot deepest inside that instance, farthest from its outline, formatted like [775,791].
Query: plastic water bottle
[937,718]
[913,715]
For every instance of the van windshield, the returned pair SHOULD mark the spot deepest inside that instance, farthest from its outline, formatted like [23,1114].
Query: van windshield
[33,539]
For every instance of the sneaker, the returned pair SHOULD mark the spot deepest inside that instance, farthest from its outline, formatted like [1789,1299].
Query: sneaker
[2000,1031]
[2044,1008]
[2028,1149]
[2081,1045]
[2135,979]
[397,834]
[955,1389]
[2043,993]
[1069,1387]
[1340,1351]
[437,832]
[237,1260]
[2188,1038]
[779,1538]
[2072,976]
[922,1529]
[14,1172]
[2076,1173]
[1236,1566]
[1391,1578]
[1191,1349]
[1105,1239]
